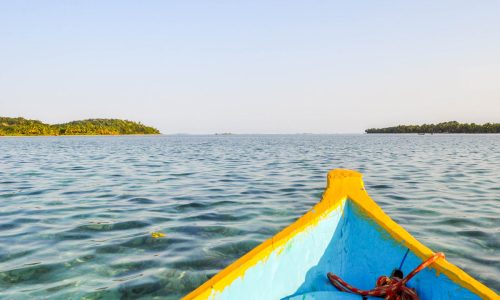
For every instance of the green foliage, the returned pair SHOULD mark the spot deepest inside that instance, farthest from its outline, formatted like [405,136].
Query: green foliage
[445,127]
[21,126]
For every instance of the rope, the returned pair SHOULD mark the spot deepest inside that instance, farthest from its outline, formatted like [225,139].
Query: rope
[390,288]
[404,258]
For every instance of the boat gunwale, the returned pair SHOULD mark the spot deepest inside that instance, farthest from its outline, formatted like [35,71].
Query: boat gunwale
[342,185]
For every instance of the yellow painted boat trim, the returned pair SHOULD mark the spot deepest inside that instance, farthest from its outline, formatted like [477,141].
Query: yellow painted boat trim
[342,184]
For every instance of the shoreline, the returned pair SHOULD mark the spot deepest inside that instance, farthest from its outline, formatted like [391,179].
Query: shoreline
[439,133]
[63,135]
[241,134]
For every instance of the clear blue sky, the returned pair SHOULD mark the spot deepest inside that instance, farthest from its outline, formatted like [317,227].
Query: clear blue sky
[251,66]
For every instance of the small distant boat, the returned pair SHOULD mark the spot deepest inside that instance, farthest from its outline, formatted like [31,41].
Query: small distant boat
[346,235]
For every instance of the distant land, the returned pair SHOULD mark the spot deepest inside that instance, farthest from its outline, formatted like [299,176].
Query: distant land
[445,127]
[22,126]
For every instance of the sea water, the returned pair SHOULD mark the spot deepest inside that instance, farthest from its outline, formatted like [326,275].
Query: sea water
[77,213]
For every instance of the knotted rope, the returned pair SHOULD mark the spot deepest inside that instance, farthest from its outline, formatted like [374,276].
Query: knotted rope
[389,288]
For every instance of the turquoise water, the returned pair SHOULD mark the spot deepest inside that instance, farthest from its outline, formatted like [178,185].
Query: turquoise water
[76,213]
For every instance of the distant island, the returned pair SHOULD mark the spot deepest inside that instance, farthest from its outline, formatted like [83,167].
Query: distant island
[22,126]
[445,127]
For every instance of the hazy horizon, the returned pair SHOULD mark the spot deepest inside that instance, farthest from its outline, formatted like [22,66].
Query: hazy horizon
[260,67]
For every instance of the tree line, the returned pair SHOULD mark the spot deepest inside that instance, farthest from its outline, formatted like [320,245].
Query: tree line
[22,126]
[445,127]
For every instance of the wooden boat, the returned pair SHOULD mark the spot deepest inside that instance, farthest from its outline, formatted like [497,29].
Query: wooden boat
[348,234]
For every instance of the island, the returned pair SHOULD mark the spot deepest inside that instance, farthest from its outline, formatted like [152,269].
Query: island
[445,127]
[22,126]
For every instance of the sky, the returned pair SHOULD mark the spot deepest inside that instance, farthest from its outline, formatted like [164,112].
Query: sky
[251,66]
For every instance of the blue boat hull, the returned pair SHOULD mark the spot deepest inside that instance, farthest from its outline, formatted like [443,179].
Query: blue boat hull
[348,235]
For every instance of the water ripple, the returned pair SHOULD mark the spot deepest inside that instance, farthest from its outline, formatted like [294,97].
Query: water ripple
[77,213]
